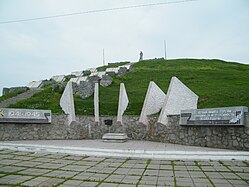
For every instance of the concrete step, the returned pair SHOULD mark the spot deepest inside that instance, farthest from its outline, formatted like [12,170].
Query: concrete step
[115,137]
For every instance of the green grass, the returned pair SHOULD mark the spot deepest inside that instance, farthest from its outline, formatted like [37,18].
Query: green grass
[217,83]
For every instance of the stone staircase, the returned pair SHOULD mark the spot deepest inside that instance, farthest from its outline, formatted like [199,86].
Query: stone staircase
[19,97]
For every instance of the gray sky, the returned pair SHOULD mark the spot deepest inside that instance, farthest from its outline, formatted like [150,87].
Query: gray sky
[39,49]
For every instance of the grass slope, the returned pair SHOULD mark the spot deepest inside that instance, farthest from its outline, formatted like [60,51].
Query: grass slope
[218,84]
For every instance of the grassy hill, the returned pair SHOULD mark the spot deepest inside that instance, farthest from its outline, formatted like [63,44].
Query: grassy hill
[217,83]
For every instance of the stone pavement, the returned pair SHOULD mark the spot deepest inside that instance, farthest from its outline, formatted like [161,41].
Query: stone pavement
[131,148]
[19,168]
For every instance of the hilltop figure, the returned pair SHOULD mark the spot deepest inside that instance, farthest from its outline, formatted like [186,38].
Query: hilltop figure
[141,56]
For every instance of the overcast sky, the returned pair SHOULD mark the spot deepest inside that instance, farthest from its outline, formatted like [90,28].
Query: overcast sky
[39,49]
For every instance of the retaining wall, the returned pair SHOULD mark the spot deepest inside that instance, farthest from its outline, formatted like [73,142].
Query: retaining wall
[229,137]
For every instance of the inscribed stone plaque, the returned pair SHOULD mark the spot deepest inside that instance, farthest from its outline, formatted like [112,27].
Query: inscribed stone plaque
[214,116]
[11,115]
[153,102]
[179,97]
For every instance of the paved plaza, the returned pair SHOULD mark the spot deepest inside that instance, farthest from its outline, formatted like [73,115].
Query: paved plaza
[19,168]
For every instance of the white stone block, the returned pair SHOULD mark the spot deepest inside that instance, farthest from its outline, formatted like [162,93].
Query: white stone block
[123,102]
[153,102]
[179,97]
[73,80]
[96,102]
[59,78]
[67,102]
[35,84]
[125,66]
[81,79]
[99,74]
[112,70]
[92,70]
[77,73]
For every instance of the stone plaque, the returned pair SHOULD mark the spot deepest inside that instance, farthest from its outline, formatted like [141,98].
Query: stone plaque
[214,116]
[9,115]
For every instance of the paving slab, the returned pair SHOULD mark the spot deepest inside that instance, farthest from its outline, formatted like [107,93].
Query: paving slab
[119,171]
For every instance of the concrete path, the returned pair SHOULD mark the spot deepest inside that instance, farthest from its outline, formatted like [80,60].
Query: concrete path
[20,97]
[26,169]
[131,149]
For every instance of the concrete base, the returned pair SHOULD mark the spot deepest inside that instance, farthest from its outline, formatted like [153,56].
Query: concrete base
[115,137]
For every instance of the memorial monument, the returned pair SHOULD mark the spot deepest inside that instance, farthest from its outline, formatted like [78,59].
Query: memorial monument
[153,102]
[179,97]
[67,102]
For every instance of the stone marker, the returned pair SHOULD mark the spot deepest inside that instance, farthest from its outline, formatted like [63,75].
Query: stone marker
[11,115]
[106,80]
[153,102]
[67,102]
[123,102]
[179,97]
[214,116]
[96,102]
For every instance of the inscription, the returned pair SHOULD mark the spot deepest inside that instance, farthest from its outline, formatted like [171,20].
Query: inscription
[215,116]
[8,115]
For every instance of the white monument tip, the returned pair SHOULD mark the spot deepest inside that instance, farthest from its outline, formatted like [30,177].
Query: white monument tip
[153,102]
[179,97]
[123,102]
[67,102]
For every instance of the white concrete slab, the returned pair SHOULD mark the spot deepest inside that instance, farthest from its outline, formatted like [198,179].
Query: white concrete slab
[58,78]
[99,74]
[35,84]
[179,97]
[126,66]
[112,70]
[67,102]
[153,102]
[81,79]
[96,102]
[123,102]
[132,149]
[77,73]
[92,70]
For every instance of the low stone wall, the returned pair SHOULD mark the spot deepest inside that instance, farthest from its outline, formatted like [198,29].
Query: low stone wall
[228,137]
